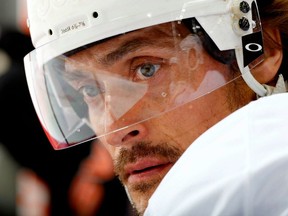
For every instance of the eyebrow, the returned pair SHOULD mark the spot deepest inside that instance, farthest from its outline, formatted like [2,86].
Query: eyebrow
[112,57]
[115,55]
[125,48]
[73,75]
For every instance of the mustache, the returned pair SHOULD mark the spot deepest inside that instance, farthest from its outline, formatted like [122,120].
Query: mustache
[145,149]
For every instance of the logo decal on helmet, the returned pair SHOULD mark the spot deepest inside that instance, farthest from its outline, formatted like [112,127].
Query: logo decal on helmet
[252,47]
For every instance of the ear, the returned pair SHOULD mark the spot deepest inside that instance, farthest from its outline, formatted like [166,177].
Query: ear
[266,71]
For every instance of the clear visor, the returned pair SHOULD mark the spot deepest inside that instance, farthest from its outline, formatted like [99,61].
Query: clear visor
[111,84]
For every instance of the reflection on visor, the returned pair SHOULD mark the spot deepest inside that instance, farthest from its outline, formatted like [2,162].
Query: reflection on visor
[108,86]
[69,109]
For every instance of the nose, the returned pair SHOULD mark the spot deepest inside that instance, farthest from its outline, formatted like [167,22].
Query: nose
[127,136]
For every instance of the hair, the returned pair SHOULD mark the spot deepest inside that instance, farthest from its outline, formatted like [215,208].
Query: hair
[274,14]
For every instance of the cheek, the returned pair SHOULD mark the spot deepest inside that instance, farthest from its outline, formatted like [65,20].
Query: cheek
[179,126]
[186,123]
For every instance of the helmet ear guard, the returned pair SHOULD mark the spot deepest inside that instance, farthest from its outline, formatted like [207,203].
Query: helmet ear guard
[242,41]
[229,56]
[225,57]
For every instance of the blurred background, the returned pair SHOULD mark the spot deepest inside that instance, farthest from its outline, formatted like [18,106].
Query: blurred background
[8,166]
[36,180]
[8,15]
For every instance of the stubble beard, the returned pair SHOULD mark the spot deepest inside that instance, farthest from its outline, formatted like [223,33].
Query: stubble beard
[139,193]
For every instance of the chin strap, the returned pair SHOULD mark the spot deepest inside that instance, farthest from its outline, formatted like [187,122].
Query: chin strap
[259,89]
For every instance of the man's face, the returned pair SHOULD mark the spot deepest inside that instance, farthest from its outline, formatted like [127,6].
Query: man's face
[150,101]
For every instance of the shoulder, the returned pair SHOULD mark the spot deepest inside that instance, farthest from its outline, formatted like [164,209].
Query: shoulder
[236,166]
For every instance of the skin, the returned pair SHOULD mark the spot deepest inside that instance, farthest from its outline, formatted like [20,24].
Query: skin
[146,150]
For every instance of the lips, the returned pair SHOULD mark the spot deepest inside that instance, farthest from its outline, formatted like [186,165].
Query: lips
[146,169]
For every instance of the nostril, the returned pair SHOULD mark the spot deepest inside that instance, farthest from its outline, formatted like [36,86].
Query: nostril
[127,136]
[134,133]
[130,135]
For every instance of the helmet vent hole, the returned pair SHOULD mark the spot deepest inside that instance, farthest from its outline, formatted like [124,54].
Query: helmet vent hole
[50,32]
[95,14]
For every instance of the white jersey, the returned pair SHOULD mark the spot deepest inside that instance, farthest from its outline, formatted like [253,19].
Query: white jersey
[238,167]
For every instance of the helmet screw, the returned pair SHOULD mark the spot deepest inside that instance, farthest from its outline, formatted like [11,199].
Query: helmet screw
[244,24]
[50,32]
[95,14]
[244,7]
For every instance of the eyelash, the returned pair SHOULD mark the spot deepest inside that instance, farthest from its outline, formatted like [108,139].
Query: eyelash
[134,74]
[135,68]
[87,88]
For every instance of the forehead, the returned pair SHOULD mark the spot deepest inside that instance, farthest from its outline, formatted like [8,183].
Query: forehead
[159,36]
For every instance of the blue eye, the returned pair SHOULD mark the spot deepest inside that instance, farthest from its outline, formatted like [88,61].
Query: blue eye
[89,92]
[147,70]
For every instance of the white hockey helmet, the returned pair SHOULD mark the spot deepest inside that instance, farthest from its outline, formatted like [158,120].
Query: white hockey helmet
[61,28]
